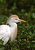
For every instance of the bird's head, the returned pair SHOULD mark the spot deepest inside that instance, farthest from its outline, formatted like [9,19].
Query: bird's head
[14,19]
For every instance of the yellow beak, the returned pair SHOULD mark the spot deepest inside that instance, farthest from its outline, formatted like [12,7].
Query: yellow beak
[21,20]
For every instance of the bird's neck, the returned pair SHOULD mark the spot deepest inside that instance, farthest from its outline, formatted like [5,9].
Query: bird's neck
[13,24]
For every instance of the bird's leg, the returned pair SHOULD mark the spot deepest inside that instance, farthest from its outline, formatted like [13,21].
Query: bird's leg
[11,48]
[10,43]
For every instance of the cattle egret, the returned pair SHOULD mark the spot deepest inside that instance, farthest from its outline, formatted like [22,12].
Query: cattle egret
[9,32]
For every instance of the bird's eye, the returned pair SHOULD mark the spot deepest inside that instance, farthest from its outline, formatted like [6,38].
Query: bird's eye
[16,19]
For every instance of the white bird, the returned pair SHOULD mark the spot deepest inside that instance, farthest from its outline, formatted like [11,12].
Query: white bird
[9,32]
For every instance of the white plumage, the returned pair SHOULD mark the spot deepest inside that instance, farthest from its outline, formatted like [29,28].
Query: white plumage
[4,33]
[9,32]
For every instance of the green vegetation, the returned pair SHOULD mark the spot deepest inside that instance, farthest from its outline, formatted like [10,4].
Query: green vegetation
[25,9]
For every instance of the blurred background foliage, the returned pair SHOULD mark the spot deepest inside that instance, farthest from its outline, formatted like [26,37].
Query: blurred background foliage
[25,9]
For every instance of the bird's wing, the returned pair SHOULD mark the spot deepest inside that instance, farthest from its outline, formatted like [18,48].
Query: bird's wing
[4,33]
[6,40]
